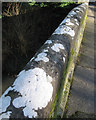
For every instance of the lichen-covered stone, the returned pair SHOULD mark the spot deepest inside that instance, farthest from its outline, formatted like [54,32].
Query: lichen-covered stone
[35,88]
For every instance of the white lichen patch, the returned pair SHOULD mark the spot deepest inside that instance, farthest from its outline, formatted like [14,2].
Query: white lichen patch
[57,46]
[68,22]
[63,21]
[28,112]
[48,42]
[64,30]
[36,91]
[49,79]
[76,21]
[5,101]
[45,50]
[84,5]
[72,13]
[5,115]
[20,73]
[79,9]
[64,59]
[32,59]
[20,104]
[80,17]
[42,56]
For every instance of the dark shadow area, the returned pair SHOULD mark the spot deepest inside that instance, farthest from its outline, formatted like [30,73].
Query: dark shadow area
[93,4]
[83,115]
[24,34]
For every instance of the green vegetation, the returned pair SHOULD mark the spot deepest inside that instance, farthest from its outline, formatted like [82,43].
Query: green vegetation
[48,4]
[16,8]
[51,114]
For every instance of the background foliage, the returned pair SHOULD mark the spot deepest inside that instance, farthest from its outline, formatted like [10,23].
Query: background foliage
[16,8]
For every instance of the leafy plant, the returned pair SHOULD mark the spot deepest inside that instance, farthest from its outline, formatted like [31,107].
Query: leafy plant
[49,3]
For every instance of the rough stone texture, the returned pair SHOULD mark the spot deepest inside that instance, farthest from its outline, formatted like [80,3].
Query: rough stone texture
[50,62]
[82,95]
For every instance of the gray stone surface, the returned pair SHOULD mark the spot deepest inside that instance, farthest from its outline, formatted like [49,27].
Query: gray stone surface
[87,53]
[82,95]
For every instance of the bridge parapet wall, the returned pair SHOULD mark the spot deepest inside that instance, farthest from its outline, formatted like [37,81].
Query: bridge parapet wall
[41,89]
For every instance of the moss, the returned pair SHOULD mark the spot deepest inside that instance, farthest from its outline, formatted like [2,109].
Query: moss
[65,93]
[53,107]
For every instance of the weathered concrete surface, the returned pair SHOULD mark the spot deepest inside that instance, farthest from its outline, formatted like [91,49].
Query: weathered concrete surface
[34,91]
[82,95]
